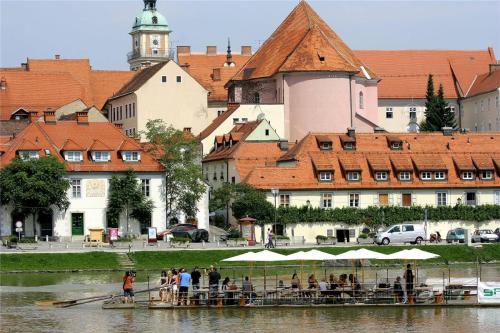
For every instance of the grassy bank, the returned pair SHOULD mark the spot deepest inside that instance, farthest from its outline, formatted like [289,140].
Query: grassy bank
[58,261]
[203,258]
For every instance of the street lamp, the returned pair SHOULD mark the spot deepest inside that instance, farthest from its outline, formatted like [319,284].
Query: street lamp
[275,193]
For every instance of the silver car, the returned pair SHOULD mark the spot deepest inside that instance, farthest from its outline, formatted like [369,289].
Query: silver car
[401,233]
[484,236]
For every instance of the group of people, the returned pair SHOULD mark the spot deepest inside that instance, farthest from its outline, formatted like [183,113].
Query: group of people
[174,285]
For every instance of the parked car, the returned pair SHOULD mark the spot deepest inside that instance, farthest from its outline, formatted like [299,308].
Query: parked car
[401,233]
[497,232]
[484,236]
[456,235]
[198,235]
[178,230]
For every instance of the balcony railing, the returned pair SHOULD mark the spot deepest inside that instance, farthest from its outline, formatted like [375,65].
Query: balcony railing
[159,53]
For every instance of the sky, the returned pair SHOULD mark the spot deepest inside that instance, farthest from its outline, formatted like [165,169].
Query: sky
[98,29]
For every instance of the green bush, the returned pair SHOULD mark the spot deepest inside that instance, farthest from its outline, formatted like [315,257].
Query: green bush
[363,236]
[180,240]
[233,233]
[279,237]
[238,239]
[321,238]
[26,240]
[127,238]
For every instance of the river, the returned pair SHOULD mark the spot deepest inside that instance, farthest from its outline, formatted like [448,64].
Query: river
[19,313]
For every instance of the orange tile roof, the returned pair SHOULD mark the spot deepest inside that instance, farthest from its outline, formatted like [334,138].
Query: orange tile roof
[71,145]
[129,145]
[463,162]
[404,73]
[485,83]
[238,133]
[201,67]
[371,150]
[302,42]
[321,161]
[49,83]
[99,145]
[482,162]
[218,121]
[53,137]
[139,79]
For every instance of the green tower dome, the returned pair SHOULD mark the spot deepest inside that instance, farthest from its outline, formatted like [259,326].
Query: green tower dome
[150,19]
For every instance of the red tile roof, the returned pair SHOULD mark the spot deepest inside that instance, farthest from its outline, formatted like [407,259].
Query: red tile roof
[71,145]
[218,121]
[53,83]
[404,73]
[485,83]
[99,145]
[372,152]
[302,42]
[139,79]
[201,67]
[53,138]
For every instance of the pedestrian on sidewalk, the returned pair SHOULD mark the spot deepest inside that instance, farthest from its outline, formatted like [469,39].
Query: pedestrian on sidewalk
[269,244]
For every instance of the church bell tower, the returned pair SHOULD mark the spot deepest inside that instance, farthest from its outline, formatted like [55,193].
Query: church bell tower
[150,38]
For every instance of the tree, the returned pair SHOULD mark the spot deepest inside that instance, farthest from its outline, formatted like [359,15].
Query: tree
[245,199]
[437,112]
[34,185]
[180,154]
[125,195]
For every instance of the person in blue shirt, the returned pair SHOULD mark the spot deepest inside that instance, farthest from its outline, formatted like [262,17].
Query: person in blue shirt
[184,281]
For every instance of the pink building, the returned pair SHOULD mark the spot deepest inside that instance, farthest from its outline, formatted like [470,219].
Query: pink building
[306,67]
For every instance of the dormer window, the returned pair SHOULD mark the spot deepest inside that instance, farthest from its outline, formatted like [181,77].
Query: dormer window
[353,176]
[405,176]
[440,175]
[73,156]
[325,146]
[28,154]
[381,175]
[395,145]
[131,156]
[426,175]
[467,175]
[348,146]
[101,156]
[325,176]
[486,175]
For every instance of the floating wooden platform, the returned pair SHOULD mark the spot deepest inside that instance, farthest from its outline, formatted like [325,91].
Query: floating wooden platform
[119,305]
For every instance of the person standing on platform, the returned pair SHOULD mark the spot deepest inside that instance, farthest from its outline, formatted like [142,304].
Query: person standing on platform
[408,275]
[184,281]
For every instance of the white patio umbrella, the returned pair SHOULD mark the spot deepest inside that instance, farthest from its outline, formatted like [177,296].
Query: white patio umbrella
[360,254]
[412,254]
[312,255]
[247,256]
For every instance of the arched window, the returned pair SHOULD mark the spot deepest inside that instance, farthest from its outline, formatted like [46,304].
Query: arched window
[155,20]
[256,98]
[361,101]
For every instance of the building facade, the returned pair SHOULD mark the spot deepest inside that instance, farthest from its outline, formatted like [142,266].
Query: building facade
[481,110]
[162,91]
[150,38]
[92,152]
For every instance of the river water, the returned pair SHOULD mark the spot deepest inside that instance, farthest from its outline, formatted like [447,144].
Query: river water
[19,292]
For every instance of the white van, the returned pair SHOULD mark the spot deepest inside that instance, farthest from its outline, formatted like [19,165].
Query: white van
[401,233]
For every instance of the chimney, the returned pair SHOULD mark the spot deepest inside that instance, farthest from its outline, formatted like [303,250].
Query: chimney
[57,56]
[24,66]
[216,74]
[494,67]
[246,50]
[183,50]
[82,117]
[3,83]
[211,50]
[283,145]
[118,125]
[185,67]
[32,116]
[49,116]
[447,131]
[351,132]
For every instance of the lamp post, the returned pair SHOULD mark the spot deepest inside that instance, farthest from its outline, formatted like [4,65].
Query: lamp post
[275,193]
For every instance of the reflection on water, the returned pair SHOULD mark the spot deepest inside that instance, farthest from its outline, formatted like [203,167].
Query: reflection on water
[19,314]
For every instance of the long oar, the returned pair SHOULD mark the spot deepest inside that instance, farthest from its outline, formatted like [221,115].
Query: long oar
[102,298]
[78,300]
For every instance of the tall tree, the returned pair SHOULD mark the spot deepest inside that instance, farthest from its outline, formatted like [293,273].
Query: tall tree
[438,114]
[34,185]
[180,154]
[125,195]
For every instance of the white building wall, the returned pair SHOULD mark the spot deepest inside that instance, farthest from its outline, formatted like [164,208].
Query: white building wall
[481,113]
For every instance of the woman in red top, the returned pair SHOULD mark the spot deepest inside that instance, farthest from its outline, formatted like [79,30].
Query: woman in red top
[128,286]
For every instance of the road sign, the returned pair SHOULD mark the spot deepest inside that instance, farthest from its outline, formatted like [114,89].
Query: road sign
[19,224]
[19,229]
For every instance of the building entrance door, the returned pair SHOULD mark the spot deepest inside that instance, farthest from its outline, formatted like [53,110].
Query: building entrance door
[45,222]
[77,224]
[342,235]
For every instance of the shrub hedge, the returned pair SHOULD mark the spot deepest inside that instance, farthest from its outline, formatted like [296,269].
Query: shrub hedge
[376,216]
